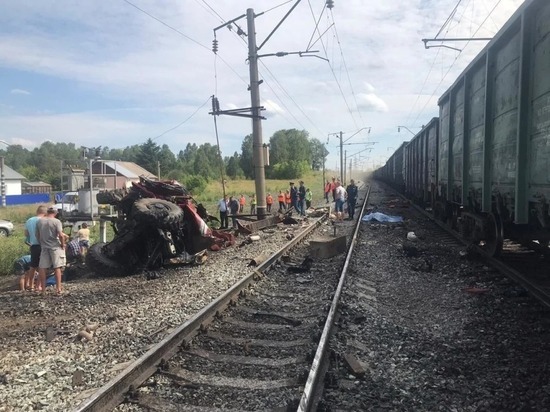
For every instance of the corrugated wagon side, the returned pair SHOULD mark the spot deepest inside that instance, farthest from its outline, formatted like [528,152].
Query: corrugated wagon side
[494,150]
[420,164]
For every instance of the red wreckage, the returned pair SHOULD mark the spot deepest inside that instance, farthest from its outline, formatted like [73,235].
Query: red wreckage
[157,223]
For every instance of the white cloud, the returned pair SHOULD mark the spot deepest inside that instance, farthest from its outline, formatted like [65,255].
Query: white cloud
[369,102]
[20,91]
[122,55]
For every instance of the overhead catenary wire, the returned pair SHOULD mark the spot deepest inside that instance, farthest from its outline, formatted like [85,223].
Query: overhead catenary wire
[446,24]
[455,60]
[332,70]
[185,36]
[182,123]
[346,68]
[279,84]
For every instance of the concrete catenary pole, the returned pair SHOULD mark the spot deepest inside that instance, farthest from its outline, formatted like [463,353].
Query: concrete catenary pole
[341,158]
[257,145]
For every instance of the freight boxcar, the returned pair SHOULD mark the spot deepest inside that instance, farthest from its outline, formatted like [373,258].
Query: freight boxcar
[420,164]
[393,171]
[493,173]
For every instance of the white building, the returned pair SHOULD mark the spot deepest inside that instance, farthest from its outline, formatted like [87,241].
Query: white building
[13,181]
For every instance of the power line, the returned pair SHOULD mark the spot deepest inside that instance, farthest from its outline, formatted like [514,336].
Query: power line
[185,121]
[447,23]
[332,70]
[456,58]
[346,68]
[275,7]
[448,18]
[185,36]
[276,80]
[167,25]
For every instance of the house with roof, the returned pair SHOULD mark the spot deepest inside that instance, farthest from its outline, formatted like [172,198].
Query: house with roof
[110,174]
[13,181]
[36,187]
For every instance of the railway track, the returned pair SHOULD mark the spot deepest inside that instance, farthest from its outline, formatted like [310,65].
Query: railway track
[431,330]
[259,346]
[528,266]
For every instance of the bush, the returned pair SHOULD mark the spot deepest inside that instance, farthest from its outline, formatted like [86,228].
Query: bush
[13,247]
[288,170]
[195,184]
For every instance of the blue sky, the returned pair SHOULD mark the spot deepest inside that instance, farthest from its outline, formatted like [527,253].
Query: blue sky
[104,73]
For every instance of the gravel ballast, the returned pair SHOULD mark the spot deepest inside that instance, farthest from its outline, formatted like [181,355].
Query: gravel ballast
[436,332]
[130,314]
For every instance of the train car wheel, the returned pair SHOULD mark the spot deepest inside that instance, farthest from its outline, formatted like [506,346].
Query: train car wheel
[495,235]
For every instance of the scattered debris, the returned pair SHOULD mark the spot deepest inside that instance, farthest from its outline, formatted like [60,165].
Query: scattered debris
[78,377]
[84,334]
[410,249]
[51,332]
[356,367]
[289,220]
[412,237]
[258,260]
[305,266]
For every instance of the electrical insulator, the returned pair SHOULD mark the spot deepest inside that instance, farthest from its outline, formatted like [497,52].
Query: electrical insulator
[215,45]
[330,4]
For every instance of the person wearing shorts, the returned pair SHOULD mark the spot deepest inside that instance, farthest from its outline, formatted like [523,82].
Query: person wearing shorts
[32,241]
[49,232]
[340,198]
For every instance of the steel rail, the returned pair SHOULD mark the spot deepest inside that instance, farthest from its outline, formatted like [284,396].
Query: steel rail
[113,392]
[540,294]
[312,390]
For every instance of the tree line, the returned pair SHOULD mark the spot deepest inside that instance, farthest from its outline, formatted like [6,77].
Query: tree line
[292,153]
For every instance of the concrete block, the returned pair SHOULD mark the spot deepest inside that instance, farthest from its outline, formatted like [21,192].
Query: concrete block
[323,248]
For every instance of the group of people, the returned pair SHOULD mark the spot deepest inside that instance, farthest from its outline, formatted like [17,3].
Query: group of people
[341,196]
[299,198]
[49,247]
[233,206]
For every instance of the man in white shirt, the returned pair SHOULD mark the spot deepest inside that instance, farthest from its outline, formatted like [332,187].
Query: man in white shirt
[222,207]
[340,198]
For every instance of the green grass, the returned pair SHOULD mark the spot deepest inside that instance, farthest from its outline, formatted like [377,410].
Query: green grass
[214,192]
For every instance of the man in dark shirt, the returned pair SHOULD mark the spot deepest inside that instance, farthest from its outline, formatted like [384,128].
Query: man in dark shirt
[352,198]
[234,208]
[294,196]
[301,198]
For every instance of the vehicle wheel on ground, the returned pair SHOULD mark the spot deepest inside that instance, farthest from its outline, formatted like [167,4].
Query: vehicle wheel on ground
[102,265]
[3,232]
[109,198]
[158,212]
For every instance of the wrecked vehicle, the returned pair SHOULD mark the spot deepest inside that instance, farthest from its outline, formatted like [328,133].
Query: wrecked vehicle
[156,222]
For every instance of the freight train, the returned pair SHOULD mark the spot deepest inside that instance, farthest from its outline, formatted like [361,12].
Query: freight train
[483,166]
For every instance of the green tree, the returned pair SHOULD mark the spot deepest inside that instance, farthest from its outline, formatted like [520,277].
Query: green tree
[246,160]
[318,153]
[232,168]
[148,156]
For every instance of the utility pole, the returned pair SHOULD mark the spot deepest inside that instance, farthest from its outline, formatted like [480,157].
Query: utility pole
[341,158]
[257,142]
[158,170]
[257,139]
[345,166]
[2,181]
